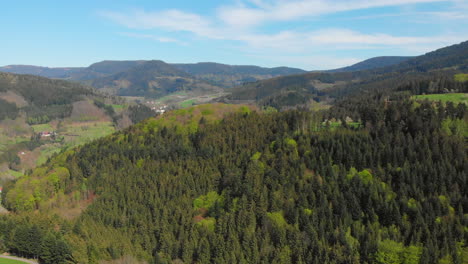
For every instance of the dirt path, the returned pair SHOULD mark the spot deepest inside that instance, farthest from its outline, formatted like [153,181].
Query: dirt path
[20,259]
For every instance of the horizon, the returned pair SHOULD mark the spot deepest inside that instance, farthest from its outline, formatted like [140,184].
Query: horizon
[306,34]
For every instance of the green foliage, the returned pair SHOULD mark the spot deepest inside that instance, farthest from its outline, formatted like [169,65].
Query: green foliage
[365,176]
[208,223]
[391,252]
[456,127]
[277,219]
[256,156]
[461,77]
[208,201]
[308,211]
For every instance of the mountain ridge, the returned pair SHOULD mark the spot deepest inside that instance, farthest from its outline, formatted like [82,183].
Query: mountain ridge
[372,63]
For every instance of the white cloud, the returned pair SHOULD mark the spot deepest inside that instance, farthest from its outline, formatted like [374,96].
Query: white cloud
[337,39]
[170,20]
[286,10]
[152,37]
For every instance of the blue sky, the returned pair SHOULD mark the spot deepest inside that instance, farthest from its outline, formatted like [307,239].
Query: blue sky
[309,34]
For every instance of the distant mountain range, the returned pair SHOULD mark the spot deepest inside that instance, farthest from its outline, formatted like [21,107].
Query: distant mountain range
[156,78]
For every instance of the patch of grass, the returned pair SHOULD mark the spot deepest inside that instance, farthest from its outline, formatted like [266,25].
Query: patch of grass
[187,103]
[118,108]
[10,173]
[85,118]
[10,261]
[451,97]
[42,127]
[461,77]
[46,152]
[77,135]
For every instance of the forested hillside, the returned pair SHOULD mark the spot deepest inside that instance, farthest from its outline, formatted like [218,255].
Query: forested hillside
[287,91]
[261,188]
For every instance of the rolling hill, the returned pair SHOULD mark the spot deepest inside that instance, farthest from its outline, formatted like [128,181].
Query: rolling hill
[152,79]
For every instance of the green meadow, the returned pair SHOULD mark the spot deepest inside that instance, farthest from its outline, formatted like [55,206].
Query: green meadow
[451,97]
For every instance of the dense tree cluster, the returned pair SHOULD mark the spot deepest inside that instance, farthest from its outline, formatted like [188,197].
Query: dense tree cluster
[140,112]
[31,236]
[7,110]
[268,188]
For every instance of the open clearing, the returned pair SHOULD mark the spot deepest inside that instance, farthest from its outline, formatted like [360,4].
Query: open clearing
[453,97]
[14,260]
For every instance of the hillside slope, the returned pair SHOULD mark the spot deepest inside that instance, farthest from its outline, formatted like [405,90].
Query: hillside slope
[266,188]
[40,116]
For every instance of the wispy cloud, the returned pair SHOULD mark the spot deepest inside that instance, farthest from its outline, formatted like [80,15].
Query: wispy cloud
[241,23]
[152,37]
[170,20]
[241,15]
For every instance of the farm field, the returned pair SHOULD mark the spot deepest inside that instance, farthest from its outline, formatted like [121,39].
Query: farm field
[453,97]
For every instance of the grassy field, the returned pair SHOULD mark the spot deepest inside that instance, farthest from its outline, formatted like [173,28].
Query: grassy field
[42,127]
[46,152]
[10,261]
[453,97]
[76,135]
[187,103]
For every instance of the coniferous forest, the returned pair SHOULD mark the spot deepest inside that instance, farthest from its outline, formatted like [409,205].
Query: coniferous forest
[256,187]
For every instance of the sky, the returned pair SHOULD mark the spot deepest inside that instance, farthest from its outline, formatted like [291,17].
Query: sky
[307,34]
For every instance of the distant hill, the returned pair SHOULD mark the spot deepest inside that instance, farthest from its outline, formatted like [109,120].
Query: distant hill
[288,91]
[57,73]
[233,75]
[96,70]
[373,63]
[151,79]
